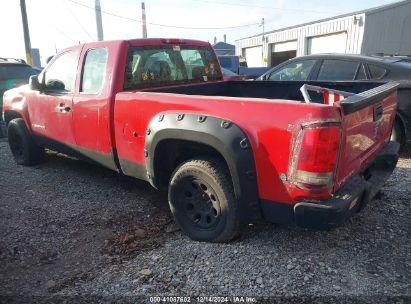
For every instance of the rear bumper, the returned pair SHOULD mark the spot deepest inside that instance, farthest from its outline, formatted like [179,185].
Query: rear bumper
[351,198]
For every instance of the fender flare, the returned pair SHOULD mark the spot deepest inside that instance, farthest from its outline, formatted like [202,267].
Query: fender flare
[224,136]
[16,107]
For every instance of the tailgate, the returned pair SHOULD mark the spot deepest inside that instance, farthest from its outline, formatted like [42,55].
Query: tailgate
[367,120]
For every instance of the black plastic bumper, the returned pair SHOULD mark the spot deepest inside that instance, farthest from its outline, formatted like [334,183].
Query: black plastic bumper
[352,197]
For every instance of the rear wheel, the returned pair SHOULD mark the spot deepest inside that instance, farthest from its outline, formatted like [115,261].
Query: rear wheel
[202,200]
[396,133]
[22,146]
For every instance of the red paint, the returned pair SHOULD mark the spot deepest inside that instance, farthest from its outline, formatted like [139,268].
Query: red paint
[113,119]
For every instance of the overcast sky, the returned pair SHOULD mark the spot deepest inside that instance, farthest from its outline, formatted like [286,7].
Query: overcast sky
[55,24]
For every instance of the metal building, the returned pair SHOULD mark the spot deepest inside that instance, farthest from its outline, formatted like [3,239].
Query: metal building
[385,29]
[223,48]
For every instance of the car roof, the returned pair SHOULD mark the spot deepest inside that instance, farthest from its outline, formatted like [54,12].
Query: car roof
[15,61]
[373,58]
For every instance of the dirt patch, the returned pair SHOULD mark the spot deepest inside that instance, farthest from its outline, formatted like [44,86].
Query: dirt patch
[65,220]
[131,237]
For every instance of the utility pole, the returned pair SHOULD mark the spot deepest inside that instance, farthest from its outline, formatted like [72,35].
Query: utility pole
[143,9]
[262,41]
[99,22]
[27,43]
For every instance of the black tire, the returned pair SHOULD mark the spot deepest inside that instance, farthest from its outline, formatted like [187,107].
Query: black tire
[396,133]
[202,200]
[3,130]
[22,146]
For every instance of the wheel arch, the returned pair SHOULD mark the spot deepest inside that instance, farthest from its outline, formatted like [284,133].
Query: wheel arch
[9,115]
[199,135]
[402,123]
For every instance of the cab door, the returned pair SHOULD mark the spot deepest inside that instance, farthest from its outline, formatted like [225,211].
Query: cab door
[91,106]
[51,108]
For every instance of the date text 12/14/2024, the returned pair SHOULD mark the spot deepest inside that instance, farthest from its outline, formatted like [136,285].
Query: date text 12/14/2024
[203,299]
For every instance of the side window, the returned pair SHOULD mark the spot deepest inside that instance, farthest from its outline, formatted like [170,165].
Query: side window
[293,71]
[60,76]
[376,71]
[94,71]
[334,69]
[361,75]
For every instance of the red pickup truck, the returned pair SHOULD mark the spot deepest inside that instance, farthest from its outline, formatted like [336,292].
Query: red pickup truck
[229,152]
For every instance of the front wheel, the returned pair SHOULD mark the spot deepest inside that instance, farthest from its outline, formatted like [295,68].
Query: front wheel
[202,200]
[22,146]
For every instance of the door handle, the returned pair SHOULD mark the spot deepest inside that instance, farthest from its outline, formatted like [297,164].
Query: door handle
[63,108]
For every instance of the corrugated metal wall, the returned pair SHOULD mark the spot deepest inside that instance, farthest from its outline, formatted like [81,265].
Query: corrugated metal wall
[353,25]
[388,31]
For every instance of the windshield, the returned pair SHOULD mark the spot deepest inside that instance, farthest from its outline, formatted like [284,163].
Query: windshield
[153,66]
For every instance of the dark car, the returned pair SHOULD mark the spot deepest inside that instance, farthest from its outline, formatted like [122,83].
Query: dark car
[230,75]
[344,67]
[13,73]
[238,65]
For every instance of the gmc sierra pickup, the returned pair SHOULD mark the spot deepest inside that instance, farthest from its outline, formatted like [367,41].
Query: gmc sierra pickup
[229,152]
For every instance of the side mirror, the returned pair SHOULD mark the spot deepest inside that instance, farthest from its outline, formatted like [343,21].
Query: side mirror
[34,83]
[49,59]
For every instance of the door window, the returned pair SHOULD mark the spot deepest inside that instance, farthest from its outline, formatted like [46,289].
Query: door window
[94,71]
[361,75]
[60,76]
[293,71]
[334,69]
[376,71]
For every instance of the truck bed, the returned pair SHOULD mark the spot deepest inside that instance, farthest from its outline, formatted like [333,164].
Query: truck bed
[272,114]
[289,90]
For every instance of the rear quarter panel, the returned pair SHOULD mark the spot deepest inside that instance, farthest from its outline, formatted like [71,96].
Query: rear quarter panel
[271,126]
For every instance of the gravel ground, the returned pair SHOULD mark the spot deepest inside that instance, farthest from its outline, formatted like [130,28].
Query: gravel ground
[69,228]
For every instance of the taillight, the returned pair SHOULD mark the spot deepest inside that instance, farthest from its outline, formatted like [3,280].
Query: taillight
[317,158]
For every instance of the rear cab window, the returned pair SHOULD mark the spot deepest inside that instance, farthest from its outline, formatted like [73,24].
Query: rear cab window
[154,66]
